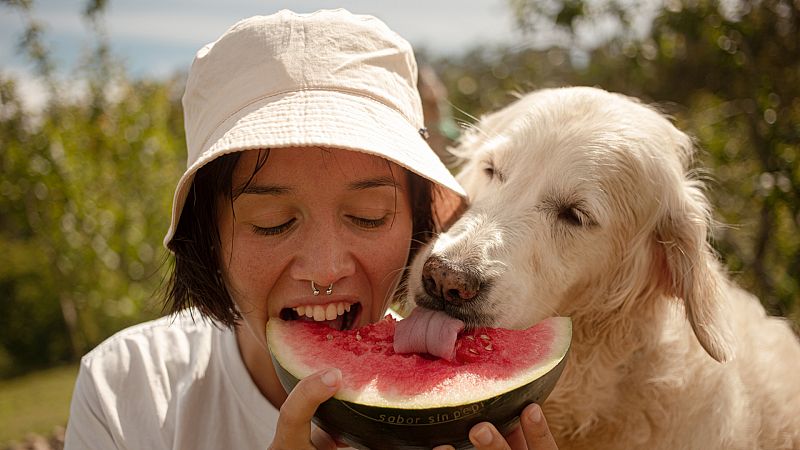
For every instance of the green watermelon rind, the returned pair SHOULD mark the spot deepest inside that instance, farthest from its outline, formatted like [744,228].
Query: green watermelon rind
[374,427]
[386,426]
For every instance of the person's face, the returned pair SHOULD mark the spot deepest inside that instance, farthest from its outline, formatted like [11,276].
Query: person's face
[312,214]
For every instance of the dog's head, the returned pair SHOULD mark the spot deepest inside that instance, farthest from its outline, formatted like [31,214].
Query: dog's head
[580,203]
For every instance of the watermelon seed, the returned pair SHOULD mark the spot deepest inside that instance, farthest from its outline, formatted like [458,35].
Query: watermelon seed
[473,351]
[330,337]
[484,337]
[488,346]
[358,336]
[470,337]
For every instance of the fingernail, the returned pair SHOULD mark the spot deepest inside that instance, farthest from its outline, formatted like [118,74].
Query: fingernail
[331,377]
[483,436]
[535,414]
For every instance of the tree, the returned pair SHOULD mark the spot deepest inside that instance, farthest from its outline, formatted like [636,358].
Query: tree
[86,192]
[728,72]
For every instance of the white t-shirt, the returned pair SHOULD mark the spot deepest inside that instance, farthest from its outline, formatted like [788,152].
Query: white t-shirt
[172,383]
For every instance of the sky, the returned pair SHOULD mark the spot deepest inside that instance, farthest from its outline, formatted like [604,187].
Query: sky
[158,37]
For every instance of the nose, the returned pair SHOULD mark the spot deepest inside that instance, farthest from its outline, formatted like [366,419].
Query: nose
[449,282]
[324,259]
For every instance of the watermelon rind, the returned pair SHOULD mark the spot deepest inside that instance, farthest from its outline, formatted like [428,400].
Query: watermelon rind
[423,422]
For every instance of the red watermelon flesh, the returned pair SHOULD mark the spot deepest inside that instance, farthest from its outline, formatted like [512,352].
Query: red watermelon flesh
[373,373]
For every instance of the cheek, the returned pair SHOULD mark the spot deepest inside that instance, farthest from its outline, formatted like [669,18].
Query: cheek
[384,260]
[390,254]
[248,277]
[247,263]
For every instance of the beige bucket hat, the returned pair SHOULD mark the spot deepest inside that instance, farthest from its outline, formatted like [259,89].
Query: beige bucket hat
[329,78]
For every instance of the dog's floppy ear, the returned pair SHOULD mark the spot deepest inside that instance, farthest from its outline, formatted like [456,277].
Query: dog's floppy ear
[690,270]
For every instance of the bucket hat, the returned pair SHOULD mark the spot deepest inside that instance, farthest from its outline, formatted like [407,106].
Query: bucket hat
[329,78]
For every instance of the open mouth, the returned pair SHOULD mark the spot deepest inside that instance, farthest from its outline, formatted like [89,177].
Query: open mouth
[337,315]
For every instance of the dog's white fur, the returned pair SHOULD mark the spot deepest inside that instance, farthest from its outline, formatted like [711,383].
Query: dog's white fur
[582,205]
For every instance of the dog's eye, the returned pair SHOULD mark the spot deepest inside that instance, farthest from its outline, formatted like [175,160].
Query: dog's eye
[490,171]
[573,216]
[570,213]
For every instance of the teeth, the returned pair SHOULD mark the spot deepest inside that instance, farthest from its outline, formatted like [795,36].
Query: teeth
[330,312]
[323,312]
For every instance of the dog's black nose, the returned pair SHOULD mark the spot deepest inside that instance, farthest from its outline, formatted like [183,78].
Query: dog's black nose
[445,281]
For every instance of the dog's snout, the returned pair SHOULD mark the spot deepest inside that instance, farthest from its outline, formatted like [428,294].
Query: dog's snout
[444,281]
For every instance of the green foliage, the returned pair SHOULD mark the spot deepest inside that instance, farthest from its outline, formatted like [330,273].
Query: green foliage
[87,182]
[729,74]
[86,192]
[86,195]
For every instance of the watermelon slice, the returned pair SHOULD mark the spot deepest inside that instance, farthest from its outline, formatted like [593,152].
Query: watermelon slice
[416,401]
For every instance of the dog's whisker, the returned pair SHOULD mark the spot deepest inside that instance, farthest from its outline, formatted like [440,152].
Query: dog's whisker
[462,111]
[400,290]
[430,235]
[463,124]
[548,309]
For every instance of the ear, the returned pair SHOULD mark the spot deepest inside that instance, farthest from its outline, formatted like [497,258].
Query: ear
[691,272]
[447,207]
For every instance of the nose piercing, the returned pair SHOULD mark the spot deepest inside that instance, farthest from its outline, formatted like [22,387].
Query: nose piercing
[315,289]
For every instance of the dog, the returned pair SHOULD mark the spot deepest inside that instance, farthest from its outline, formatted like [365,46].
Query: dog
[583,203]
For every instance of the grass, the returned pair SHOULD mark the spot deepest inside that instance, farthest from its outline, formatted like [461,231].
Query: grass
[35,403]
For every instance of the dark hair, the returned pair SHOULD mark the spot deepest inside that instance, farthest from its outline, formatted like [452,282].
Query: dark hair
[195,279]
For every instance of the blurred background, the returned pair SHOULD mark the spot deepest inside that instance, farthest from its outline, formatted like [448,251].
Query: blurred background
[92,143]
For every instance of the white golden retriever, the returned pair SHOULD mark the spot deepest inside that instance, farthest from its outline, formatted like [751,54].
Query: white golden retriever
[583,206]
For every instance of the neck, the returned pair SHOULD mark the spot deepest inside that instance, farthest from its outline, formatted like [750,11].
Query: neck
[603,365]
[259,366]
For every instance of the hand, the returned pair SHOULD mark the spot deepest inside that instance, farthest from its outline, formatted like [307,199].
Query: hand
[293,431]
[531,434]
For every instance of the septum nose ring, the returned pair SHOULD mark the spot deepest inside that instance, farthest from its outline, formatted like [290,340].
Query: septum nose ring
[315,289]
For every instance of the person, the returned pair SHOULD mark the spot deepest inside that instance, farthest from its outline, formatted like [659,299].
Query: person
[309,186]
[439,121]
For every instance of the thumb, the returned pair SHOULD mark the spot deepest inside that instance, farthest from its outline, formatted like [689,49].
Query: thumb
[322,440]
[293,430]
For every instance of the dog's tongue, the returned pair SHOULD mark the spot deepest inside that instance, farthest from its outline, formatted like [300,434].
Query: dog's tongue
[427,331]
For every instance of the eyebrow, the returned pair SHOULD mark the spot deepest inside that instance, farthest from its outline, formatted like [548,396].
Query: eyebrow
[261,189]
[359,185]
[370,183]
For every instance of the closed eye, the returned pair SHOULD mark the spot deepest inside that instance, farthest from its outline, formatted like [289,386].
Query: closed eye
[573,216]
[569,213]
[274,231]
[368,223]
[492,172]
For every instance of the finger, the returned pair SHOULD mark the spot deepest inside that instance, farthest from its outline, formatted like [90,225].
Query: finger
[484,436]
[516,440]
[293,430]
[322,440]
[535,429]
